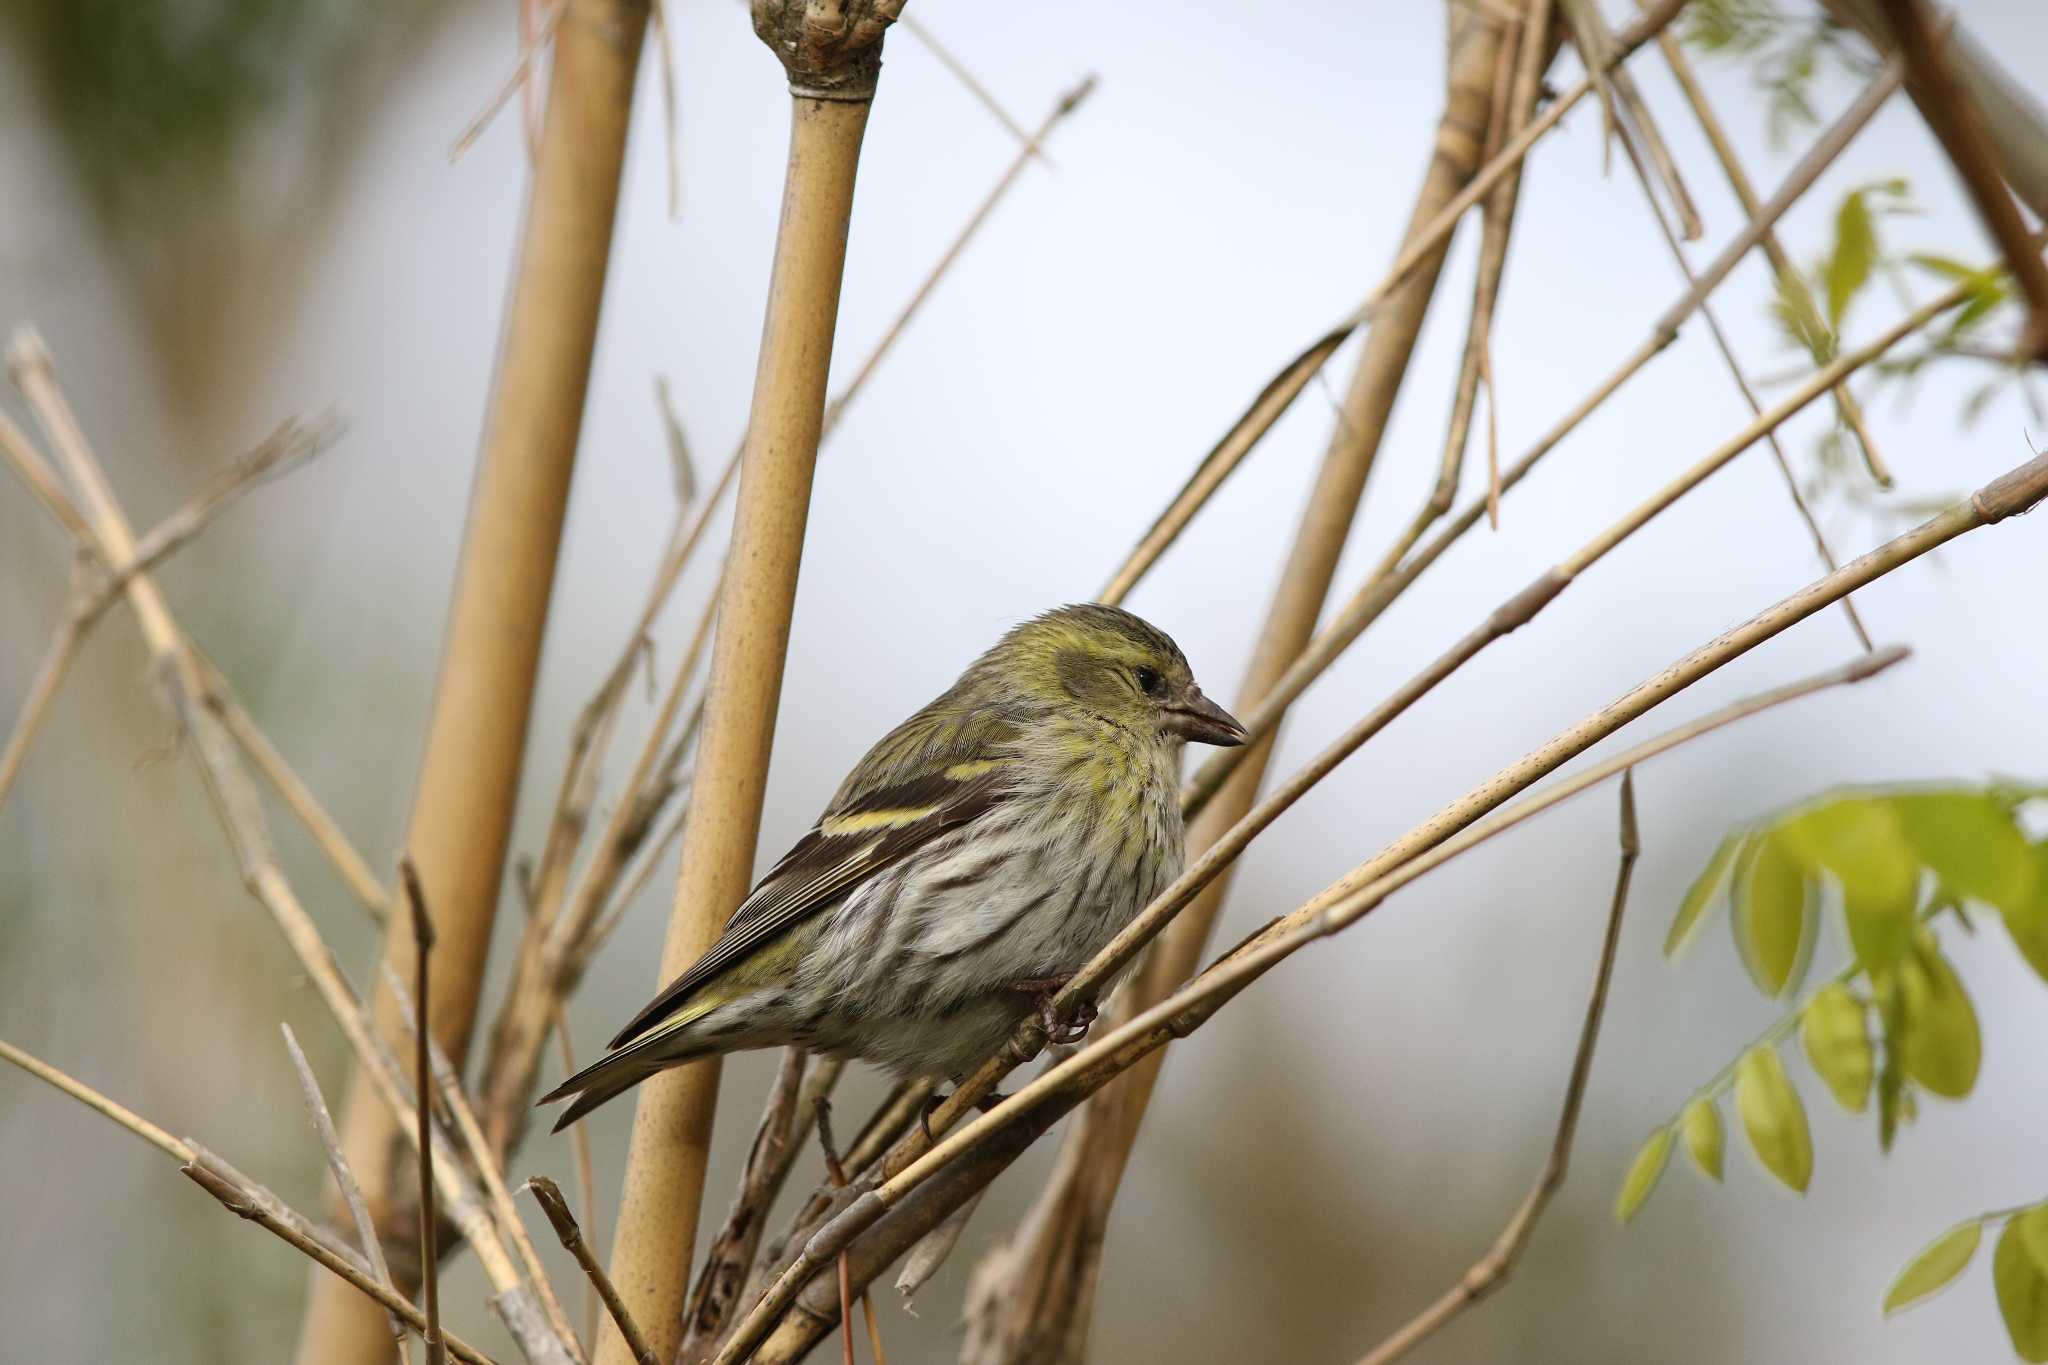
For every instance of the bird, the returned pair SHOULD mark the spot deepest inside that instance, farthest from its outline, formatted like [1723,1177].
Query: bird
[970,864]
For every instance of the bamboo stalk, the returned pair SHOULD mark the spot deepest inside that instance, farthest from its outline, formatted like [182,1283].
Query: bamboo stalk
[833,65]
[1020,1319]
[476,737]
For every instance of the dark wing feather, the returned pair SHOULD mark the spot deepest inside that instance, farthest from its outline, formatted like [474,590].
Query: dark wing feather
[849,844]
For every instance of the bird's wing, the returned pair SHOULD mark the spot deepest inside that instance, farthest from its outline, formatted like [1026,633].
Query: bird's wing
[849,844]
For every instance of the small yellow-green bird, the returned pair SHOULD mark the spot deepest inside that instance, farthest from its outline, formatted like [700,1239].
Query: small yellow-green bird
[970,864]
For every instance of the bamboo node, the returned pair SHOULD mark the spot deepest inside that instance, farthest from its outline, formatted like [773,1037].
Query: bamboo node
[832,49]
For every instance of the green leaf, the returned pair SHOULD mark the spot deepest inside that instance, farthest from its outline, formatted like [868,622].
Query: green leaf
[2034,1234]
[1935,1266]
[1836,1036]
[1802,324]
[1701,1125]
[2028,922]
[2022,1293]
[1770,915]
[1947,267]
[1701,892]
[1943,1047]
[1643,1174]
[1892,1099]
[1773,1118]
[1848,268]
[1860,843]
[1971,842]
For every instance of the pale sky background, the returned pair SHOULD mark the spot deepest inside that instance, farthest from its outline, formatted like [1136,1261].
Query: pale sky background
[1341,1143]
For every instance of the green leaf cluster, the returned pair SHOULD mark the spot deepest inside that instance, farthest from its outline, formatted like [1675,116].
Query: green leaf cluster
[2019,1273]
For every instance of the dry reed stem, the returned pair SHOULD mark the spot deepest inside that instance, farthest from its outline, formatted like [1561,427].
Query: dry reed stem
[549,1197]
[1108,1128]
[241,1196]
[1774,250]
[1030,143]
[1284,387]
[468,782]
[344,1179]
[1953,117]
[1016,1121]
[1628,113]
[1489,1270]
[1392,576]
[423,1099]
[664,1176]
[1749,398]
[181,686]
[532,42]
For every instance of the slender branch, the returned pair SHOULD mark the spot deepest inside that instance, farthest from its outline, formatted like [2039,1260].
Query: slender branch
[41,481]
[344,1178]
[531,45]
[1028,141]
[1695,94]
[239,1194]
[1749,398]
[1489,1270]
[1953,117]
[35,708]
[1280,392]
[1628,114]
[430,1218]
[549,1197]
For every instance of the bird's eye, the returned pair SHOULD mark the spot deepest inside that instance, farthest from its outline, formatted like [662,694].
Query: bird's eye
[1149,682]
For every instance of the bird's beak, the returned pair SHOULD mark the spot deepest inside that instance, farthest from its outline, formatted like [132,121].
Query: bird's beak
[1204,722]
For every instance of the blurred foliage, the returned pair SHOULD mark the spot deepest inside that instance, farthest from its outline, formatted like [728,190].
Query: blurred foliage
[1893,1023]
[158,99]
[1787,53]
[155,100]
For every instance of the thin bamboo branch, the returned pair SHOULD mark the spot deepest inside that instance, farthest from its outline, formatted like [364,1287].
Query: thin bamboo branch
[1029,142]
[1749,398]
[1952,115]
[832,67]
[549,1196]
[41,481]
[240,1196]
[1488,1271]
[1392,575]
[35,708]
[531,44]
[430,1217]
[476,734]
[344,1179]
[1057,1090]
[1781,261]
[1284,387]
[586,1176]
[1631,116]
[1022,1321]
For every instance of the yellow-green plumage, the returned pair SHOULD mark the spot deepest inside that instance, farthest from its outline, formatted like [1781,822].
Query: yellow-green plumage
[988,845]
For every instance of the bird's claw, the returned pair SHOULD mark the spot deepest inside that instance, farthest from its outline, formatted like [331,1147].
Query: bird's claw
[1042,990]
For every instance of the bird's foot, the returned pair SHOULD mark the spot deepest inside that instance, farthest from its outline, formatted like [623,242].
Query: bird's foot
[931,1106]
[1042,989]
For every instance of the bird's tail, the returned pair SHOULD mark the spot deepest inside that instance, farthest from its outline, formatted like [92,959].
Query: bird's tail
[617,1072]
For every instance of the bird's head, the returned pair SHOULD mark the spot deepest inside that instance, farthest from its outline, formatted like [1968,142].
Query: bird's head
[1106,663]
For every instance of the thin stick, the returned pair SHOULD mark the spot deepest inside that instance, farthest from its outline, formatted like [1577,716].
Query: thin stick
[236,1192]
[1781,261]
[586,1172]
[531,45]
[1028,141]
[549,1196]
[1953,117]
[430,1217]
[835,1174]
[344,1178]
[41,481]
[1489,1270]
[1742,385]
[63,648]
